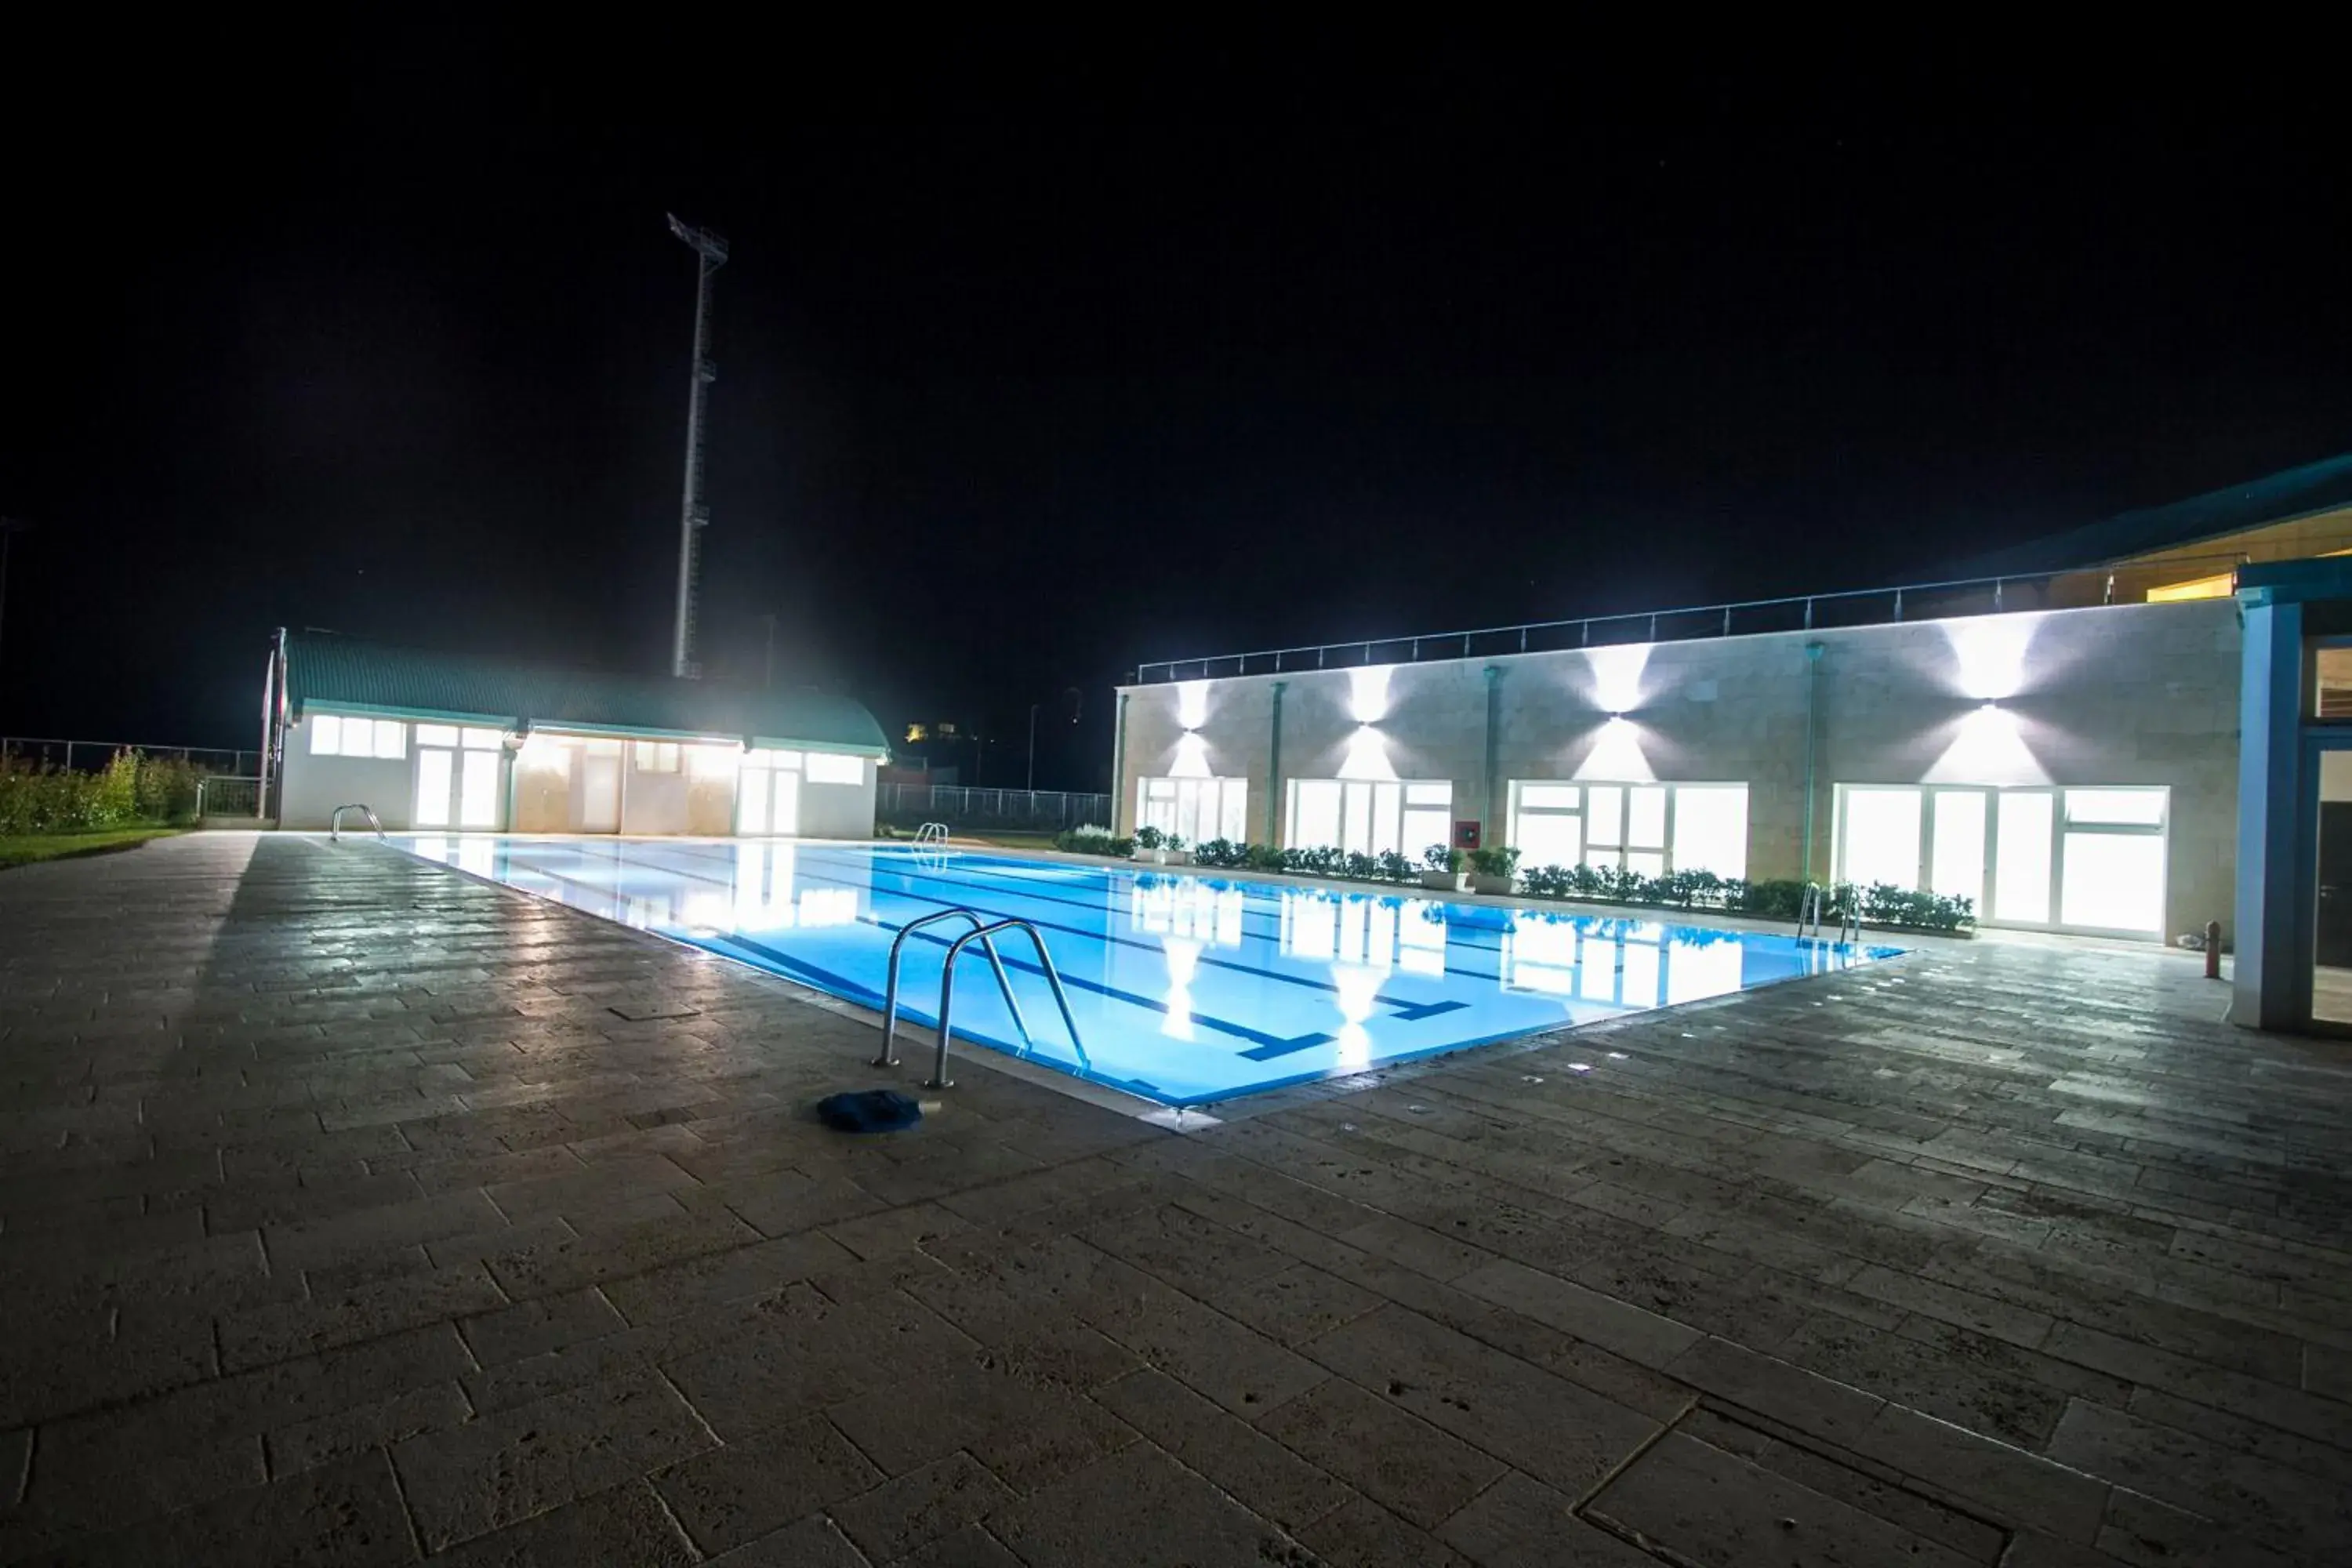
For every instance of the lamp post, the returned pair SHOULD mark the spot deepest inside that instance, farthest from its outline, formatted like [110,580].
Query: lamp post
[1032,747]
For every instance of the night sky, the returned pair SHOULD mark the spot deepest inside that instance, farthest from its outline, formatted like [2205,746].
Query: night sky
[1035,362]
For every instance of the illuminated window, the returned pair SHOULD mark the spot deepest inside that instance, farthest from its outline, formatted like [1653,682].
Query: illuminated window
[768,792]
[342,735]
[482,740]
[2218,587]
[437,734]
[833,768]
[916,733]
[1646,828]
[1371,818]
[1196,810]
[2075,859]
[656,756]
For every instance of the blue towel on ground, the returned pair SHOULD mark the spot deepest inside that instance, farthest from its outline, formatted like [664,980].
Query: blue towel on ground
[869,1111]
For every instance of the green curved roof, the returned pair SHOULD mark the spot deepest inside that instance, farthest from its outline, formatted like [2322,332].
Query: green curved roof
[346,673]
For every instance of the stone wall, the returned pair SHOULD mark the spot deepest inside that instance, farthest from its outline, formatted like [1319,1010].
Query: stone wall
[2127,694]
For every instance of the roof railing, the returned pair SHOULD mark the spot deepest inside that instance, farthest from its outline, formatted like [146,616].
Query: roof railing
[2082,588]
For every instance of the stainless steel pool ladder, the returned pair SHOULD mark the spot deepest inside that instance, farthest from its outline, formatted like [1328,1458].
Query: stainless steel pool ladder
[931,833]
[1809,911]
[335,823]
[982,932]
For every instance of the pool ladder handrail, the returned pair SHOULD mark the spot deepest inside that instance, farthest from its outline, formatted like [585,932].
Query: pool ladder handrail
[931,833]
[982,932]
[335,823]
[1812,907]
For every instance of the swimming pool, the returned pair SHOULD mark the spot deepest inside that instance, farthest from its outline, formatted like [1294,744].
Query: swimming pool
[1186,988]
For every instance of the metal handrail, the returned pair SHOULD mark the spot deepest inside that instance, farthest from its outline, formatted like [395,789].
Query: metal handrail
[1273,659]
[1814,903]
[335,823]
[889,1055]
[931,833]
[938,1079]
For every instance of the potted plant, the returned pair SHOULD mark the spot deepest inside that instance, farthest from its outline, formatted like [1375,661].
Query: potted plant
[1441,869]
[1171,853]
[1491,869]
[1151,845]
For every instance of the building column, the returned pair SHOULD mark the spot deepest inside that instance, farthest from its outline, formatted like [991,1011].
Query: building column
[1492,829]
[1273,770]
[2271,983]
[1118,790]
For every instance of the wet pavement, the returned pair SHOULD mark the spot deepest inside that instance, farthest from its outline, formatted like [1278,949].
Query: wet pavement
[355,1211]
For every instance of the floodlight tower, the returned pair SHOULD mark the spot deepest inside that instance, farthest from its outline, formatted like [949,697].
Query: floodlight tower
[712,250]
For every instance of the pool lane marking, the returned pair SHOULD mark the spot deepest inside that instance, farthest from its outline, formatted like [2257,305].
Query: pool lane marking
[1275,1044]
[1405,1008]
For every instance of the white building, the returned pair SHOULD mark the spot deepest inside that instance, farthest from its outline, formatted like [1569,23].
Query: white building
[429,739]
[2060,743]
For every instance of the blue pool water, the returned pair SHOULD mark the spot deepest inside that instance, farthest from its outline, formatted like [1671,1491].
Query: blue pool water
[1186,988]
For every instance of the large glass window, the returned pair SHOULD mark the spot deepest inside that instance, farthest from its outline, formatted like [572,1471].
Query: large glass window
[1369,818]
[2112,868]
[768,792]
[1647,828]
[348,735]
[2020,863]
[2083,859]
[1196,810]
[1878,836]
[835,768]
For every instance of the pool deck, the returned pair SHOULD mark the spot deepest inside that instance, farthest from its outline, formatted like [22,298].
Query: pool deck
[356,1211]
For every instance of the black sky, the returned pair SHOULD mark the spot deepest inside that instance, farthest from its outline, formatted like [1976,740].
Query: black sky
[1036,361]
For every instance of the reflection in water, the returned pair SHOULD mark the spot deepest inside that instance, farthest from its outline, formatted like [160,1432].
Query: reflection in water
[1184,956]
[1185,989]
[1188,907]
[1358,992]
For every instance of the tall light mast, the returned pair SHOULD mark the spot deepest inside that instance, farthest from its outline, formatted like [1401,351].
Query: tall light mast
[712,251]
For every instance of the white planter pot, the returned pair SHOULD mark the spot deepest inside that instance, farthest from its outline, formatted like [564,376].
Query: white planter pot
[1150,856]
[1480,884]
[1445,881]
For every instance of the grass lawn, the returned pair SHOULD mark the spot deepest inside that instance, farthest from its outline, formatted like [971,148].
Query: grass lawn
[26,849]
[1013,840]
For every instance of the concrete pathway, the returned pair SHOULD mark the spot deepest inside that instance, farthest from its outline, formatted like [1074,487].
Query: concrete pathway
[353,1211]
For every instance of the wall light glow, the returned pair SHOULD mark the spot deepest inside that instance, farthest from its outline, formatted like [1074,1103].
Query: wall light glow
[1617,676]
[1368,756]
[1616,755]
[1368,694]
[1191,759]
[1990,654]
[1192,704]
[1990,750]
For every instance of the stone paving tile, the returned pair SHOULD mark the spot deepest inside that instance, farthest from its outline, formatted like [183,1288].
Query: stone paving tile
[347,1513]
[2282,1508]
[919,1506]
[626,1527]
[1711,1507]
[812,1542]
[1985,1178]
[1520,1522]
[747,1490]
[1138,1508]
[1548,1426]
[1381,1450]
[1263,1475]
[503,1469]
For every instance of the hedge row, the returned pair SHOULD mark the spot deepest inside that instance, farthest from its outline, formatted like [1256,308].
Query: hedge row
[37,798]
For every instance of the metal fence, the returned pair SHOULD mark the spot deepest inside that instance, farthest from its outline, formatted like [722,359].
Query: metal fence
[1021,810]
[2120,584]
[228,795]
[90,755]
